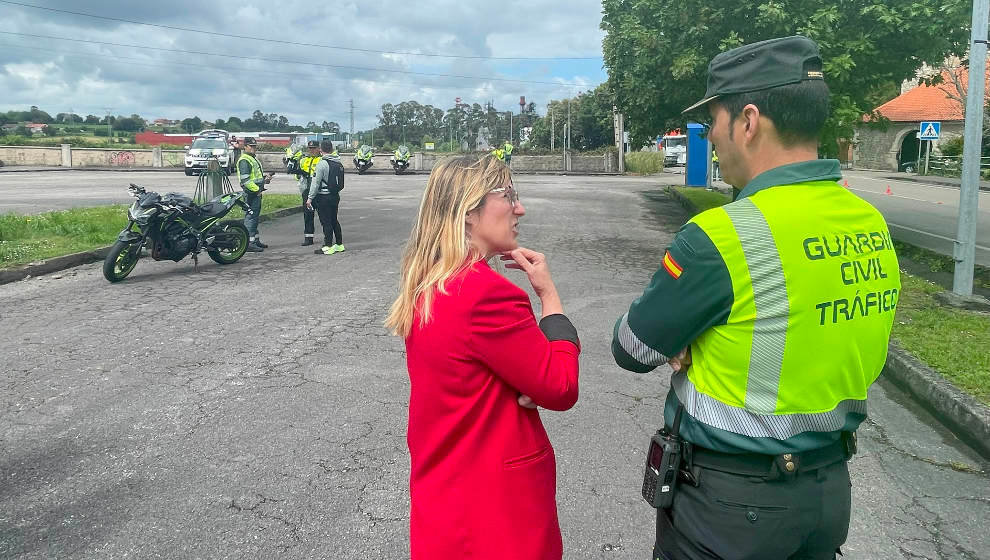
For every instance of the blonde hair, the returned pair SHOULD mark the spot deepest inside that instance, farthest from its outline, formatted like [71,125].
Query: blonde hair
[438,246]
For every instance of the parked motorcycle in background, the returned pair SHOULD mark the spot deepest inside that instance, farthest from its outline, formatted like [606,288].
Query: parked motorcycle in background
[400,160]
[363,157]
[172,226]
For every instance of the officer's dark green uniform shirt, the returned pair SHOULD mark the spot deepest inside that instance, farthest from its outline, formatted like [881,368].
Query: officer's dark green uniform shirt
[692,296]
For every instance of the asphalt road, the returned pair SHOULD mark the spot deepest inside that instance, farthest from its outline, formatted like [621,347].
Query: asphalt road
[922,214]
[258,410]
[42,191]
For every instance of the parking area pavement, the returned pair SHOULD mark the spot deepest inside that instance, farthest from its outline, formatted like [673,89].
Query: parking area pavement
[258,410]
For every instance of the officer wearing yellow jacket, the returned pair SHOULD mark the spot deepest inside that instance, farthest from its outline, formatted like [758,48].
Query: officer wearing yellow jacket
[253,180]
[306,166]
[499,153]
[774,312]
[507,150]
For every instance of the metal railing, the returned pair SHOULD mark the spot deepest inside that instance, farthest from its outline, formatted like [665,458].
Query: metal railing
[951,166]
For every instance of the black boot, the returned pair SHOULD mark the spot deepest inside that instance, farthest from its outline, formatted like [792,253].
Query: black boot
[257,241]
[307,241]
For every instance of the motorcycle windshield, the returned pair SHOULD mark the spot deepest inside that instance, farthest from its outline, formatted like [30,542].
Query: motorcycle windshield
[403,151]
[364,152]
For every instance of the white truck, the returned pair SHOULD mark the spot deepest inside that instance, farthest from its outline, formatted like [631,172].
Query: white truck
[674,148]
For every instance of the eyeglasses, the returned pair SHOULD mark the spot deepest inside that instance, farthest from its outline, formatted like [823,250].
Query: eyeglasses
[510,194]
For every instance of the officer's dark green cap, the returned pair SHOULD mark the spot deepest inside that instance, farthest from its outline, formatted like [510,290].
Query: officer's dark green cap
[763,65]
[312,144]
[250,141]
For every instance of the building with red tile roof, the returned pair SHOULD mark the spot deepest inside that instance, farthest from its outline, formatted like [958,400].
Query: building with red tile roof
[898,147]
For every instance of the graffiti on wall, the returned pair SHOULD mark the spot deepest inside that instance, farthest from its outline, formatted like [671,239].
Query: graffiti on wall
[121,158]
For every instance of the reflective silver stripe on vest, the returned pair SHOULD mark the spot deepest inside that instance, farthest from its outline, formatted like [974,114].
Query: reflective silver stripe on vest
[717,414]
[770,298]
[636,347]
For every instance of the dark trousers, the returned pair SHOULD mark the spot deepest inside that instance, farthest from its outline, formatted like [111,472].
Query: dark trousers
[326,206]
[735,517]
[251,220]
[309,226]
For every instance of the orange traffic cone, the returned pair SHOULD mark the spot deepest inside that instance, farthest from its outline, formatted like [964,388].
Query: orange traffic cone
[888,190]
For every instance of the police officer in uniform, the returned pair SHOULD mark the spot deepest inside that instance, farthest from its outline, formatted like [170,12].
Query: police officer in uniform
[507,150]
[307,165]
[774,312]
[253,181]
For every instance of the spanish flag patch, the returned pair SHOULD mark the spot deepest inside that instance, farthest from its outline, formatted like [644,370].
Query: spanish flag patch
[671,266]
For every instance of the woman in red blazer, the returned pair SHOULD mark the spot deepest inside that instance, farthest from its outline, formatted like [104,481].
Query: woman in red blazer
[483,479]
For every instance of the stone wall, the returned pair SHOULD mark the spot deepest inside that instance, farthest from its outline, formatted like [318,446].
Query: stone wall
[877,149]
[30,155]
[272,161]
[99,157]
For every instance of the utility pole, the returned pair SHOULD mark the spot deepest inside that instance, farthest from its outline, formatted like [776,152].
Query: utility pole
[109,126]
[510,127]
[552,131]
[964,251]
[352,119]
[568,124]
[619,124]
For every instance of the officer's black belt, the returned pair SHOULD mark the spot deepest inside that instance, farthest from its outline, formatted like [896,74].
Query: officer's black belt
[773,466]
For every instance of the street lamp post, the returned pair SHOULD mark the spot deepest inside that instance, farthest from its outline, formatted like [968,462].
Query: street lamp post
[964,251]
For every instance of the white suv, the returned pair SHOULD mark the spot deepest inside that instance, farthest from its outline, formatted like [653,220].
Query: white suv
[209,144]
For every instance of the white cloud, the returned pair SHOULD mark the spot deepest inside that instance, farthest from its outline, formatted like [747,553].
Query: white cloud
[58,75]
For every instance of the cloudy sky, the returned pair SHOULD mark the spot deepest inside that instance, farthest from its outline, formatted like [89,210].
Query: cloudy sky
[61,61]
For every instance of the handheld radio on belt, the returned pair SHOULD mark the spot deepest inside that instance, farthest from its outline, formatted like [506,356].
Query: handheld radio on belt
[663,461]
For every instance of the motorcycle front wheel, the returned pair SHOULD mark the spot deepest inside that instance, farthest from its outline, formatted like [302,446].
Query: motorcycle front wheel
[120,261]
[231,242]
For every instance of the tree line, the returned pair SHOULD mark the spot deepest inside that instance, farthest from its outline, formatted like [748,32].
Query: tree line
[460,125]
[258,121]
[656,52]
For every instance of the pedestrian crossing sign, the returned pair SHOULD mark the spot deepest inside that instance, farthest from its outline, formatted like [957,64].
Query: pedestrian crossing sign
[930,130]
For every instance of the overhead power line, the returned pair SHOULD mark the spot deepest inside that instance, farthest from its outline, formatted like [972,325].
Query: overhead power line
[297,43]
[287,61]
[186,67]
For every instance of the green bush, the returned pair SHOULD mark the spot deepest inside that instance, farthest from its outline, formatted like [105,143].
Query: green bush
[953,147]
[644,162]
[13,140]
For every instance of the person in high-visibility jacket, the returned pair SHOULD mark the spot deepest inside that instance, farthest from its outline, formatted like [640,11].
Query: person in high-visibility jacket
[715,173]
[499,154]
[306,166]
[508,152]
[774,312]
[253,180]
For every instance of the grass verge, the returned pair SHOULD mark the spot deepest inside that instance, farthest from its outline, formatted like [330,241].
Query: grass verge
[703,199]
[28,238]
[644,162]
[951,341]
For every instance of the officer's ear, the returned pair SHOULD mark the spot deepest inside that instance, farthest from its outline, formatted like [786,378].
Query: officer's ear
[751,121]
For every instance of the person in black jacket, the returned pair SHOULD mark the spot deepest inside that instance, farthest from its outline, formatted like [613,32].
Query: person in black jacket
[324,195]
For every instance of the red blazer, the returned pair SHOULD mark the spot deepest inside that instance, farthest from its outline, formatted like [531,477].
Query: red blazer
[483,479]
